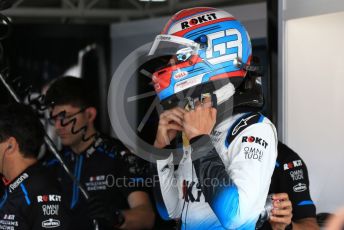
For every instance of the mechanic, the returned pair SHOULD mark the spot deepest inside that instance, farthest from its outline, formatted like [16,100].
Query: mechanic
[32,198]
[294,208]
[111,174]
[227,156]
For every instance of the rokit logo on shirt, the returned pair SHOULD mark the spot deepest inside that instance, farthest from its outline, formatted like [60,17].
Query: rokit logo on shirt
[188,187]
[48,198]
[292,164]
[257,140]
[198,20]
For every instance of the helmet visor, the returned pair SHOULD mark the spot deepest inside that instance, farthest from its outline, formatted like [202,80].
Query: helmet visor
[180,49]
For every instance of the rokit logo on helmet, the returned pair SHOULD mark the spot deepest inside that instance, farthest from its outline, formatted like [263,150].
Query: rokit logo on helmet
[257,140]
[198,20]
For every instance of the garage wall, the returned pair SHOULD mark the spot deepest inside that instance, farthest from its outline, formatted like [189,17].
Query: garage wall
[313,98]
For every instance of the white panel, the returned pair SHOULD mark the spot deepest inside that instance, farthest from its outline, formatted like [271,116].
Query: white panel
[305,8]
[314,102]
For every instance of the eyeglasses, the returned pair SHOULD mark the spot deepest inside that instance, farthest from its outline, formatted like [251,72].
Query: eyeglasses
[63,118]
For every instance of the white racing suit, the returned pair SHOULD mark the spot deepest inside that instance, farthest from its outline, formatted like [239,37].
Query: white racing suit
[225,188]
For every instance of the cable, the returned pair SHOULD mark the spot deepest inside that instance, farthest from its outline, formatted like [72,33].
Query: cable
[181,216]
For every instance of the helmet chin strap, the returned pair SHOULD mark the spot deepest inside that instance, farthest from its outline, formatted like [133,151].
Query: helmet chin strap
[224,103]
[218,97]
[224,93]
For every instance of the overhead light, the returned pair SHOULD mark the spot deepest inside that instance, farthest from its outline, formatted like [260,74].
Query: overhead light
[152,0]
